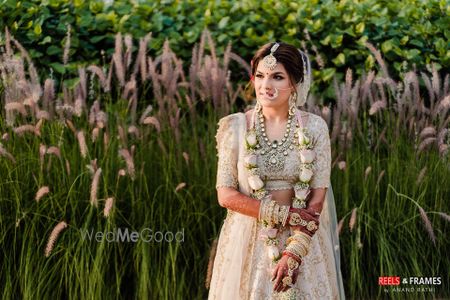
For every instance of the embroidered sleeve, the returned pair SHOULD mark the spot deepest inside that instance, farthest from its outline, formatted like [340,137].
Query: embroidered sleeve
[322,164]
[227,152]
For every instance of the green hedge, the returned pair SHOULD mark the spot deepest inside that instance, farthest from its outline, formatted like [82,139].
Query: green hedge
[409,32]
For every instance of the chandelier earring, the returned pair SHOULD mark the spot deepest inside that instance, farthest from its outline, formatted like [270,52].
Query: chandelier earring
[292,101]
[258,106]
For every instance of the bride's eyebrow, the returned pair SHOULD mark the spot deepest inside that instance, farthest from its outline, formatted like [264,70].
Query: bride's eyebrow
[276,73]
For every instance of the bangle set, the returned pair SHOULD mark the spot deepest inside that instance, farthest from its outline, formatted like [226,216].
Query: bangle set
[271,213]
[297,248]
[298,244]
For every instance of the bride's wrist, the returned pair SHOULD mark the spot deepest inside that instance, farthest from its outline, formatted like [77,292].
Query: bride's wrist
[303,220]
[272,213]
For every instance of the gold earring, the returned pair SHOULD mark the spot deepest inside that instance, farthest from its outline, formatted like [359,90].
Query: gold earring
[258,106]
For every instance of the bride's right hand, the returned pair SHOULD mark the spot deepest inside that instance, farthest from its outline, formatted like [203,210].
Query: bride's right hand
[280,272]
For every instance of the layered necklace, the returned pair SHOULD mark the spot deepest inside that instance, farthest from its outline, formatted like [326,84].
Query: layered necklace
[274,153]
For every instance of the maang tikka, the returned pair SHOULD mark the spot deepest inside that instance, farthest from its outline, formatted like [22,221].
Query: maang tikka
[269,60]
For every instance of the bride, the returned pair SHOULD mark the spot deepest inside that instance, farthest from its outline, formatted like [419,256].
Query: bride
[278,240]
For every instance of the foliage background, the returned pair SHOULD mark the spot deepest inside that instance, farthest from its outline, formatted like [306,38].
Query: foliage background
[410,33]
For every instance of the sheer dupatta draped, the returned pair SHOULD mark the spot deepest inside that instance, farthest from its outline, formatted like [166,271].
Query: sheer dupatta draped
[234,244]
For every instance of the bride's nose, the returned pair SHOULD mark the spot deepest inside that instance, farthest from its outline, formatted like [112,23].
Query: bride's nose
[266,84]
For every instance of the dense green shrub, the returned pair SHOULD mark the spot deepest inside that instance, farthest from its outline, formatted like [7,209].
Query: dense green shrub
[408,33]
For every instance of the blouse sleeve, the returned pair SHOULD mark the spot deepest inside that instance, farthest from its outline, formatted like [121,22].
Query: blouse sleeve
[322,163]
[227,152]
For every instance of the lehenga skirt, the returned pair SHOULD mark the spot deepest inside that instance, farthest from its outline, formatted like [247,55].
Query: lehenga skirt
[245,273]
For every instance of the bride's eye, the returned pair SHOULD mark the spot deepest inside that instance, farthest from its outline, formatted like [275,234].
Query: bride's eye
[278,77]
[259,75]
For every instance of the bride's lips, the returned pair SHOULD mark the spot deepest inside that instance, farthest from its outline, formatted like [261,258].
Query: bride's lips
[267,95]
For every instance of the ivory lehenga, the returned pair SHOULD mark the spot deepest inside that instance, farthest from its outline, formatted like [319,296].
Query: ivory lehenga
[242,270]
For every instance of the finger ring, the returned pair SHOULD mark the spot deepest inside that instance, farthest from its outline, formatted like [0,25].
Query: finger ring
[287,280]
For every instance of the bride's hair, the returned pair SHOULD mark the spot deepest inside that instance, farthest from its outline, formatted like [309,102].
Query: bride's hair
[287,55]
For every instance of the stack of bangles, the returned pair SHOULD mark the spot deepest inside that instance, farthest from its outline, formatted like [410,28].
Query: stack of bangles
[304,224]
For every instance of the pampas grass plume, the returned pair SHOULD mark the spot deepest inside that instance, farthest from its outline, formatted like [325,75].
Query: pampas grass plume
[53,237]
[55,151]
[352,222]
[154,121]
[186,157]
[180,186]
[5,153]
[41,193]
[108,205]
[94,187]
[129,161]
[82,143]
[427,224]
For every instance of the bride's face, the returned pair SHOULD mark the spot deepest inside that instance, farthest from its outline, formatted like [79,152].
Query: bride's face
[272,87]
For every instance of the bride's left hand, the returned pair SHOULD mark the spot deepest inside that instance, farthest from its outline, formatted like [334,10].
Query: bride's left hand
[281,271]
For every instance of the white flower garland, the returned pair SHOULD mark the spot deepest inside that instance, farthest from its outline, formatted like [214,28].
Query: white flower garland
[301,187]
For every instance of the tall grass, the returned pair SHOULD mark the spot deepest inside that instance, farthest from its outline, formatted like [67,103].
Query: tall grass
[135,138]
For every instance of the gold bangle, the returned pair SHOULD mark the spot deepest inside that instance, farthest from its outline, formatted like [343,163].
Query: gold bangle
[299,247]
[263,209]
[285,214]
[275,213]
[299,236]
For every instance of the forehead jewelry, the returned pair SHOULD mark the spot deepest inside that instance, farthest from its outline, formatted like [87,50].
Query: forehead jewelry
[269,60]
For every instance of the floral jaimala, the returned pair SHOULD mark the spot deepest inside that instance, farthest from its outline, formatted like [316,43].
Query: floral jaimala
[258,146]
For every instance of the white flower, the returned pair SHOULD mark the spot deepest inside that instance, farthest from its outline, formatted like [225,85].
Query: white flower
[251,138]
[250,161]
[255,182]
[303,139]
[268,233]
[306,175]
[301,194]
[272,233]
[273,252]
[307,156]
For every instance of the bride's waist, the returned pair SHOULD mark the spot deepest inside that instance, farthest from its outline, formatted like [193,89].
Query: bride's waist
[283,197]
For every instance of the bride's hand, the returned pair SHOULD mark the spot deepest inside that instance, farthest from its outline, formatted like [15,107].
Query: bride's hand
[281,271]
